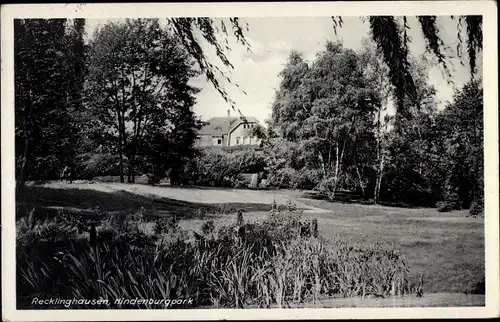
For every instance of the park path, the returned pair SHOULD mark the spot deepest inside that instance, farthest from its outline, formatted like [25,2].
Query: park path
[196,195]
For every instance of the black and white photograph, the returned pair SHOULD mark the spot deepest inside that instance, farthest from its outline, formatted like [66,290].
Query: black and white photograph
[193,160]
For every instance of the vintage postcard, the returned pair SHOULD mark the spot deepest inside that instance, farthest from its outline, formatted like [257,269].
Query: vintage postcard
[208,161]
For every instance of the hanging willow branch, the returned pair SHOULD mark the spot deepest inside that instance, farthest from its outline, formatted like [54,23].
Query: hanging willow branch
[337,22]
[185,29]
[387,36]
[434,43]
[393,43]
[474,39]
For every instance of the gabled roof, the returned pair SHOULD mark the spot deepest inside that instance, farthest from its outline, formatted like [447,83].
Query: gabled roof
[222,125]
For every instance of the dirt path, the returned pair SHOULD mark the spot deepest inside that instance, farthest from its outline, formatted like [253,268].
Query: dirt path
[198,195]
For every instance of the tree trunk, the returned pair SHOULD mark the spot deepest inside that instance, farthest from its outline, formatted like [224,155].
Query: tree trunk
[338,166]
[322,164]
[174,176]
[378,183]
[131,174]
[360,181]
[379,157]
[23,173]
[339,160]
[336,178]
[120,146]
[122,179]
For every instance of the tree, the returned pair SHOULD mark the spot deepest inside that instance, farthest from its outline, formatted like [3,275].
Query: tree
[413,145]
[377,72]
[462,133]
[290,106]
[342,110]
[169,143]
[48,60]
[137,70]
[326,108]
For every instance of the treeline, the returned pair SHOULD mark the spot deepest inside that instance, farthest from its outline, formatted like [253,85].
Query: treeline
[332,130]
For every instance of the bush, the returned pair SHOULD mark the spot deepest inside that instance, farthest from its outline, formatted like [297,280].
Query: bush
[477,207]
[222,167]
[307,179]
[90,165]
[451,203]
[283,178]
[47,167]
[326,186]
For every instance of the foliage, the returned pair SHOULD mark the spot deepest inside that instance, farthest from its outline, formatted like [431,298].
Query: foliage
[215,33]
[90,165]
[49,69]
[327,109]
[462,133]
[216,166]
[138,85]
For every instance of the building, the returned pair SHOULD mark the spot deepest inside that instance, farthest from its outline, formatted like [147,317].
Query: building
[228,131]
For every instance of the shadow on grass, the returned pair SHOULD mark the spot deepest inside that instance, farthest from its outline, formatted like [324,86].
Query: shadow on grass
[353,198]
[124,202]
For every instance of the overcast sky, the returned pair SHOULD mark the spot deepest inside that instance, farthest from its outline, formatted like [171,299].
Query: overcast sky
[271,41]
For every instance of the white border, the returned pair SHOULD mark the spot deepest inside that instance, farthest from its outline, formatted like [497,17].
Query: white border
[485,8]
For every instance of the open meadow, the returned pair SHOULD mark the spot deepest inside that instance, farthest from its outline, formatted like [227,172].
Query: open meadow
[444,251]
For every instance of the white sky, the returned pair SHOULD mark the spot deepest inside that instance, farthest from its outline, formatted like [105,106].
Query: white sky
[271,41]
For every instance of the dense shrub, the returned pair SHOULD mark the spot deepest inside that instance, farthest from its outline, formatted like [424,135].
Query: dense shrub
[90,165]
[308,179]
[452,202]
[283,178]
[477,207]
[223,167]
[408,187]
[48,168]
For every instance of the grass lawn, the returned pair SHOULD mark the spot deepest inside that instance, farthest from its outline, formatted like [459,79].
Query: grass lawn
[447,248]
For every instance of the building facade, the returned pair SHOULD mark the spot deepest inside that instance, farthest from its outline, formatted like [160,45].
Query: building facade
[228,131]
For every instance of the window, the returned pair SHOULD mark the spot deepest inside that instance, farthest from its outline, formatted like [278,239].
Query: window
[219,141]
[238,140]
[245,140]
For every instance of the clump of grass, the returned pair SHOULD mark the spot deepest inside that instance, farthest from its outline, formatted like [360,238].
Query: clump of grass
[208,227]
[222,209]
